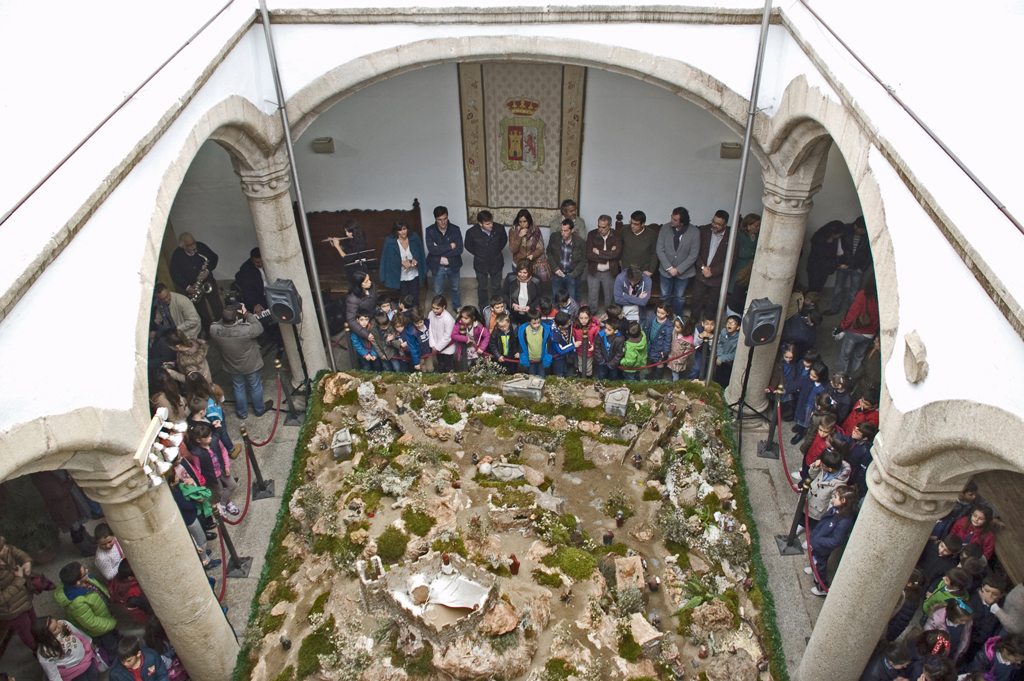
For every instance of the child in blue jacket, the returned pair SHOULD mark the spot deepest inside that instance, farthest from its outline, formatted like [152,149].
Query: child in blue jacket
[609,349]
[831,532]
[369,360]
[535,359]
[809,387]
[562,346]
[658,329]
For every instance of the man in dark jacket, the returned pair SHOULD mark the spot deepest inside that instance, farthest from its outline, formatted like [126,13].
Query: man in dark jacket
[567,259]
[854,261]
[603,250]
[486,240]
[824,257]
[250,280]
[639,245]
[137,663]
[714,242]
[444,254]
[236,336]
[190,261]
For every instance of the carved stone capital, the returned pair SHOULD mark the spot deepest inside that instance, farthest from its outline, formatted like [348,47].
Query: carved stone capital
[788,201]
[265,183]
[903,499]
[122,484]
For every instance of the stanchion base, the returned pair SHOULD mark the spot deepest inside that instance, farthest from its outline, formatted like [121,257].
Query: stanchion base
[239,570]
[767,450]
[787,549]
[265,492]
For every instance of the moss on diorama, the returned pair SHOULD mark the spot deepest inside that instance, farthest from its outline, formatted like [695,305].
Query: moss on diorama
[417,522]
[347,399]
[271,623]
[391,544]
[618,502]
[452,544]
[319,603]
[287,674]
[545,579]
[488,481]
[313,646]
[423,665]
[575,459]
[463,390]
[629,649]
[651,494]
[558,669]
[574,563]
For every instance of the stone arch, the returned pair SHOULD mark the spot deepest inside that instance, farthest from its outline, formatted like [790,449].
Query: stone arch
[688,82]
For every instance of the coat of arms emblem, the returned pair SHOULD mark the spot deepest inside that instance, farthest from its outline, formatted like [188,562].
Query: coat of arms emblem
[522,136]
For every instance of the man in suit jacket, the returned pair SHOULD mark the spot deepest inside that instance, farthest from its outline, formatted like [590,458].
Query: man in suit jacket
[603,250]
[714,242]
[251,280]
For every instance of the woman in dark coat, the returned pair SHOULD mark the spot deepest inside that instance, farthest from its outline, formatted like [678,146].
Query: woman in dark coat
[403,263]
[354,253]
[520,286]
[362,296]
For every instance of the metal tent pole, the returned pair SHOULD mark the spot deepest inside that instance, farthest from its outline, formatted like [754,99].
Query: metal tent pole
[731,248]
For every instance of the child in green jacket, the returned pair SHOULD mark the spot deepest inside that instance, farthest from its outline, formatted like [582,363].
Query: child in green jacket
[636,352]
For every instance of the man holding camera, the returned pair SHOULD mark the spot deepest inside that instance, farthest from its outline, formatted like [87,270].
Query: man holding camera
[236,336]
[250,281]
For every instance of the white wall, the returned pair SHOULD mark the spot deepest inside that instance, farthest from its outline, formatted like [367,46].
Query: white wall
[210,204]
[644,148]
[396,140]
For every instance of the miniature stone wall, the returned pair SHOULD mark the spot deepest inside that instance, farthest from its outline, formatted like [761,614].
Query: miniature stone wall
[377,595]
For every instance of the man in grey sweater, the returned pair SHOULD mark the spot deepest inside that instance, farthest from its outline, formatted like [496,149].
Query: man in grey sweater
[678,245]
[236,336]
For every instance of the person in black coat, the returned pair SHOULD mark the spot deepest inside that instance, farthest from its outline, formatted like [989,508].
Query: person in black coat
[250,281]
[851,266]
[361,297]
[486,241]
[824,256]
[511,290]
[888,663]
[187,262]
[986,625]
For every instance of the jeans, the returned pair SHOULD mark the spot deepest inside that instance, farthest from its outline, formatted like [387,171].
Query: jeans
[537,369]
[848,282]
[483,297]
[607,373]
[255,384]
[370,364]
[452,276]
[559,366]
[675,287]
[852,351]
[602,281]
[632,375]
[571,283]
[410,288]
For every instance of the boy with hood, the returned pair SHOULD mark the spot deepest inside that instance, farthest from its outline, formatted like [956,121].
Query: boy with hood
[635,349]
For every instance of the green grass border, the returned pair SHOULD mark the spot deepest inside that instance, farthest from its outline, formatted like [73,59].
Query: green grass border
[314,414]
[769,625]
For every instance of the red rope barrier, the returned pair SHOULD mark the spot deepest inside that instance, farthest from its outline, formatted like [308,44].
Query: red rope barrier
[782,452]
[248,486]
[277,414]
[814,569]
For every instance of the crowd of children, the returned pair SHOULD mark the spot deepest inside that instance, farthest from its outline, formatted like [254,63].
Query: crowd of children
[957,617]
[558,337]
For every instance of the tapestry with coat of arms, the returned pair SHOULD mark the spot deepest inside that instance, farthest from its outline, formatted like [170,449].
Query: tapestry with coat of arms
[522,130]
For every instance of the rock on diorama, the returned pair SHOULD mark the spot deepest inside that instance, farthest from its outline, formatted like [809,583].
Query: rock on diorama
[524,529]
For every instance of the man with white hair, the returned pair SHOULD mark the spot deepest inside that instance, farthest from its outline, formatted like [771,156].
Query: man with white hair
[192,265]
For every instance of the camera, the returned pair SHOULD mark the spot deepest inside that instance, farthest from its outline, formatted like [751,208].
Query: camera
[233,301]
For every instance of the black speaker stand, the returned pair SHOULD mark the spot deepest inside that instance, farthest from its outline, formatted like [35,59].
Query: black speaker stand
[741,403]
[307,385]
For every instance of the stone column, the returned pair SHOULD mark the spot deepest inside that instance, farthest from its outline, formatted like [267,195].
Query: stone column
[787,202]
[891,530]
[156,542]
[270,204]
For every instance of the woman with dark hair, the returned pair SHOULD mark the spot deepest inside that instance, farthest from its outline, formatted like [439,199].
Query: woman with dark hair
[65,652]
[526,243]
[362,296]
[859,328]
[164,392]
[403,263]
[191,353]
[831,533]
[521,292]
[976,528]
[355,249]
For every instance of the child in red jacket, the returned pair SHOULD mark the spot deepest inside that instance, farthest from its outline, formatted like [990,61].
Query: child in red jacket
[976,528]
[826,429]
[584,331]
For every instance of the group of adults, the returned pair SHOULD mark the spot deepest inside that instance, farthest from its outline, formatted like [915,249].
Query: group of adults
[183,321]
[683,256]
